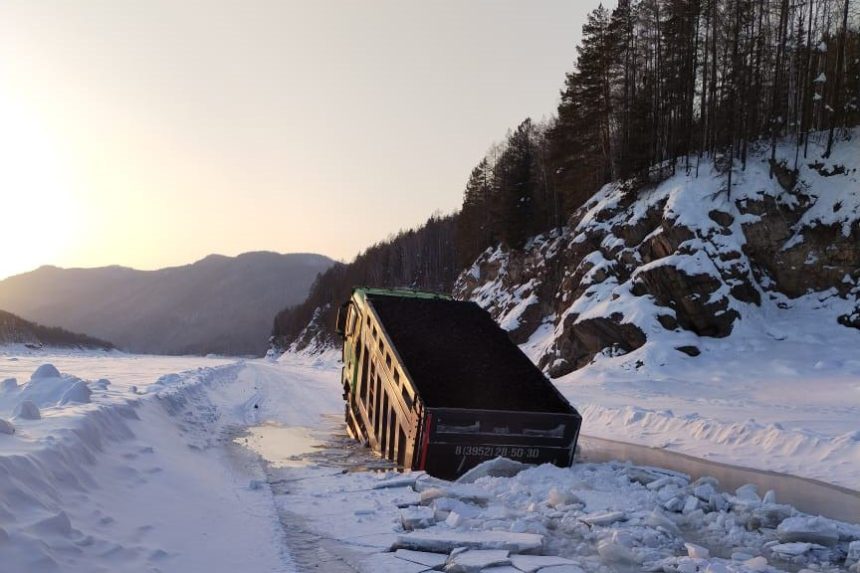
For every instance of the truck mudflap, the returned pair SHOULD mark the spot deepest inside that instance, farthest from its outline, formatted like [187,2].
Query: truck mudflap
[458,440]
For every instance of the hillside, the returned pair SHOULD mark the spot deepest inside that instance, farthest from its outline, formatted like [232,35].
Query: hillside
[672,262]
[219,304]
[423,258]
[16,330]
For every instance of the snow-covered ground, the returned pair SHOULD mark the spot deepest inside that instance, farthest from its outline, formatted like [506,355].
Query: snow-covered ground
[120,465]
[782,393]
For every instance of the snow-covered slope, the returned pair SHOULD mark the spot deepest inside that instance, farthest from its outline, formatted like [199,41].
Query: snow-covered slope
[677,315]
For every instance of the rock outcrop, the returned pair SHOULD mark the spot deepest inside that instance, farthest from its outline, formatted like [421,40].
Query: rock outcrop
[682,256]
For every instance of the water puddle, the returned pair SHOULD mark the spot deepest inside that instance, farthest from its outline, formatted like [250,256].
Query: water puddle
[294,447]
[281,446]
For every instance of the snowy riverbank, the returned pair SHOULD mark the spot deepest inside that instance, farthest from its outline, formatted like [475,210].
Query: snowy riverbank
[132,468]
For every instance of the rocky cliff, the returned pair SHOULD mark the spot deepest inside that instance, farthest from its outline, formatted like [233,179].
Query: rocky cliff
[683,258]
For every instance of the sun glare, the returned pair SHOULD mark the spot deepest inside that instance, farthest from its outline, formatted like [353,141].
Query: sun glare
[36,195]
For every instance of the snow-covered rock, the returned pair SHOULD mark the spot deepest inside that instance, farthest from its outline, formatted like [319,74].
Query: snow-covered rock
[47,388]
[8,386]
[679,260]
[45,371]
[27,410]
[6,427]
[77,393]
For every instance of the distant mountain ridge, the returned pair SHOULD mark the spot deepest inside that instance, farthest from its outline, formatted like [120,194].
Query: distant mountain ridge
[16,330]
[218,304]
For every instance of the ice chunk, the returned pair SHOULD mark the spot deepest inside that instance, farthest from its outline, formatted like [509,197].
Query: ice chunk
[704,491]
[642,475]
[416,517]
[8,386]
[675,504]
[604,517]
[399,481]
[454,519]
[793,549]
[810,529]
[748,492]
[741,556]
[449,504]
[474,560]
[756,564]
[769,515]
[559,497]
[422,557]
[497,467]
[691,504]
[853,552]
[6,427]
[45,371]
[657,519]
[462,492]
[440,540]
[27,410]
[613,552]
[532,563]
[697,551]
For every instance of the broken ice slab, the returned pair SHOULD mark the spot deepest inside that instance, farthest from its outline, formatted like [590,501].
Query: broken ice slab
[697,551]
[561,569]
[407,480]
[464,492]
[809,529]
[416,517]
[603,517]
[389,563]
[532,563]
[788,550]
[422,557]
[445,541]
[475,560]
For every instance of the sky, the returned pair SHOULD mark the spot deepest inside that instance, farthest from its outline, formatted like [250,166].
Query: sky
[152,133]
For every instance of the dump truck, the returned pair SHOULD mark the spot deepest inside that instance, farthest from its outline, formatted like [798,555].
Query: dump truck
[434,384]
